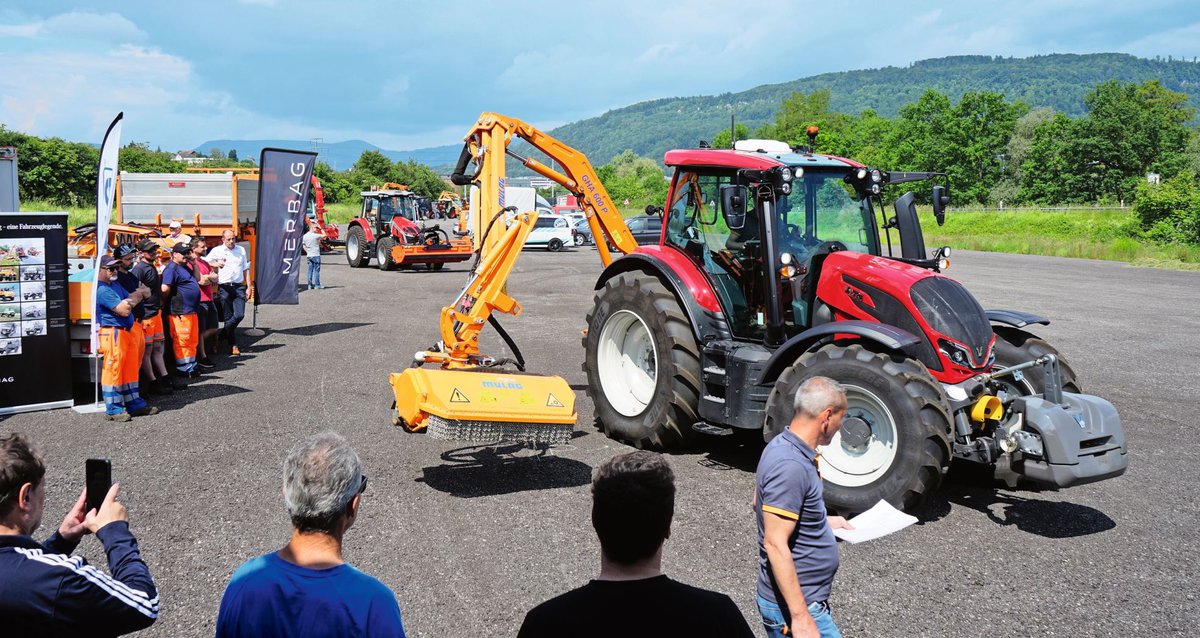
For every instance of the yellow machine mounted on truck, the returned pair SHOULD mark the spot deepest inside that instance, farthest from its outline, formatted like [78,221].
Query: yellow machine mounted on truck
[770,269]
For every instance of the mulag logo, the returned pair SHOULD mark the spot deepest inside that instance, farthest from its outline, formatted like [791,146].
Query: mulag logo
[7,379]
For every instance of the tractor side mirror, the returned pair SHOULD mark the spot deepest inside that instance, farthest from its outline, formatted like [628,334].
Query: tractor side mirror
[654,210]
[733,205]
[941,199]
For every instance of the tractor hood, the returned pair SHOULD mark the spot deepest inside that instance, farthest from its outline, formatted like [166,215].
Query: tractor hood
[957,337]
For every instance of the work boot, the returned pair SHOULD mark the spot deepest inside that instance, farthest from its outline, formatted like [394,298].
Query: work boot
[120,417]
[206,363]
[178,383]
[146,411]
[163,386]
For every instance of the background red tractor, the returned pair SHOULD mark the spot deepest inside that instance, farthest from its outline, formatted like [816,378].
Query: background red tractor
[388,229]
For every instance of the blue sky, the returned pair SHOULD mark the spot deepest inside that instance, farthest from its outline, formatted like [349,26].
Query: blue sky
[406,75]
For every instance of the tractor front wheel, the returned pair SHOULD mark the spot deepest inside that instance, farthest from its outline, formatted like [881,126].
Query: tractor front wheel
[893,444]
[1015,346]
[642,363]
[383,253]
[357,249]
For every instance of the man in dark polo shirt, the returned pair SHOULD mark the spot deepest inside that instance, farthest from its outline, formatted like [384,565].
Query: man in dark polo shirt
[797,552]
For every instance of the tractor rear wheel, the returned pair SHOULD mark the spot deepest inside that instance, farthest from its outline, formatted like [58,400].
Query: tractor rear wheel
[1015,346]
[357,249]
[893,443]
[642,363]
[383,253]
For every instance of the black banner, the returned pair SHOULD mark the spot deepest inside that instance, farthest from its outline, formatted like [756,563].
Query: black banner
[282,195]
[35,352]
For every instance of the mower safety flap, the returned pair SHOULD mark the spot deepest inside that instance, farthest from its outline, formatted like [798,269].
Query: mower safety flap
[455,395]
[1076,443]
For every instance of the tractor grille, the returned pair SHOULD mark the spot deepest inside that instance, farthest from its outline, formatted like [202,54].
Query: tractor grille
[951,310]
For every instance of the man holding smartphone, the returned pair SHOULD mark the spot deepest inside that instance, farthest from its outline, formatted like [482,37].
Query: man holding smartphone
[43,590]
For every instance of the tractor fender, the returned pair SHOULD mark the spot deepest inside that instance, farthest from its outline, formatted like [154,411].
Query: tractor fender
[889,337]
[1015,318]
[366,228]
[690,288]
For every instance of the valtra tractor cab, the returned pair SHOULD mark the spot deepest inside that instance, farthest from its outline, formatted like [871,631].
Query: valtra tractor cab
[388,228]
[771,270]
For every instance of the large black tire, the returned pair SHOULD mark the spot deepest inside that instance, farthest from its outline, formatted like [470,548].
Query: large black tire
[671,406]
[358,249]
[919,426]
[554,245]
[383,253]
[1015,346]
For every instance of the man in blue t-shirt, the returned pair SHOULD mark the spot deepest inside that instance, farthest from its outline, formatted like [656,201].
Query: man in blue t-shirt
[797,552]
[181,288]
[115,308]
[307,588]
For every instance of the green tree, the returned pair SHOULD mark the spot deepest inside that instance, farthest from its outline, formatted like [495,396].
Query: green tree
[136,157]
[722,138]
[373,166]
[215,153]
[638,179]
[233,155]
[1007,189]
[1170,210]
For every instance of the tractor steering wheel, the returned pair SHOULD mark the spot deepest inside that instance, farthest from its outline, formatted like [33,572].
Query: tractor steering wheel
[830,246]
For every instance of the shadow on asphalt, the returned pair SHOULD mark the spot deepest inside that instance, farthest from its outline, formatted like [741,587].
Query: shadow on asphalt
[320,328]
[978,487]
[196,390]
[738,451]
[492,470]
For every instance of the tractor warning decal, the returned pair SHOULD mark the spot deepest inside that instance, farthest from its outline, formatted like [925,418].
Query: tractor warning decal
[552,402]
[458,397]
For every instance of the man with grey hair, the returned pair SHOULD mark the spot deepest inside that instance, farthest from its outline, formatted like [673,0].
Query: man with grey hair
[797,552]
[307,588]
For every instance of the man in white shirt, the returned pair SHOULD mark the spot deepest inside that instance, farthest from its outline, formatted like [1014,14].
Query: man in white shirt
[233,272]
[177,235]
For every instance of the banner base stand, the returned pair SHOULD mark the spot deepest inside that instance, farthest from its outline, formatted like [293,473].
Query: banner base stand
[254,332]
[89,408]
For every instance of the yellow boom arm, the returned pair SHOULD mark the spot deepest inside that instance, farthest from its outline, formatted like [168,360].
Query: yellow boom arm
[486,147]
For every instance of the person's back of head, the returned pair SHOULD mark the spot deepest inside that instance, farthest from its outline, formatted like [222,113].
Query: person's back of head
[20,465]
[633,501]
[321,477]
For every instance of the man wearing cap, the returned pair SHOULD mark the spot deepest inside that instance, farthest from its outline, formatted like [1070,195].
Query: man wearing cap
[125,254]
[177,235]
[154,368]
[119,377]
[181,288]
[234,272]
[206,276]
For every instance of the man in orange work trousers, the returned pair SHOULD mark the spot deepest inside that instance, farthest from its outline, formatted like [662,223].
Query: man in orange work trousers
[184,292]
[121,350]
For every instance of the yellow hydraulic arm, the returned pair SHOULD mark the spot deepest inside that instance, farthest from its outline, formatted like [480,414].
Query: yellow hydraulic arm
[486,146]
[464,400]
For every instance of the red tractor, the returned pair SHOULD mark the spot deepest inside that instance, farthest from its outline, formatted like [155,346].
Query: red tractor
[387,228]
[771,269]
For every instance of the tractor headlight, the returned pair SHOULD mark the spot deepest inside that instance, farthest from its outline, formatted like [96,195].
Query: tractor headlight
[954,352]
[876,176]
[785,188]
[875,189]
[785,175]
[861,174]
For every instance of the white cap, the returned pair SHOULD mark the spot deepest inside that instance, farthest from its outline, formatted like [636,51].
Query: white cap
[176,224]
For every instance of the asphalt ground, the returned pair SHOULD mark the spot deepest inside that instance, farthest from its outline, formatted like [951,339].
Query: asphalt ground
[471,537]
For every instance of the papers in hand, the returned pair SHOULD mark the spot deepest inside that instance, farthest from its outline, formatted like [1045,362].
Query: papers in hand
[880,520]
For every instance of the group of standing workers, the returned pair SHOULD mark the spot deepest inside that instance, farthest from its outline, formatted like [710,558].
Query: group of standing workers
[139,302]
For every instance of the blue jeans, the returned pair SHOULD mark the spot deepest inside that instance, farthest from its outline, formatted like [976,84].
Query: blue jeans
[233,309]
[775,620]
[314,272]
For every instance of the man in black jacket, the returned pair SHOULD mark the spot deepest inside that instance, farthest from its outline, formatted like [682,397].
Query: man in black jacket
[43,590]
[633,501]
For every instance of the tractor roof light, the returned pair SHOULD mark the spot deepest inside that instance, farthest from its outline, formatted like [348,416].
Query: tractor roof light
[861,174]
[876,175]
[785,174]
[943,264]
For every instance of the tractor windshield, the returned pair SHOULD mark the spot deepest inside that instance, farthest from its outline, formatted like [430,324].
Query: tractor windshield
[823,208]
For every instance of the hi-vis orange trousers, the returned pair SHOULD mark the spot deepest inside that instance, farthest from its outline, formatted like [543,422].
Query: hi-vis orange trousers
[185,338]
[122,362]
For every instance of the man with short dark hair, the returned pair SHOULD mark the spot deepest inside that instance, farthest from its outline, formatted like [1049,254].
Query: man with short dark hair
[43,590]
[206,276]
[154,367]
[797,552]
[633,502]
[307,588]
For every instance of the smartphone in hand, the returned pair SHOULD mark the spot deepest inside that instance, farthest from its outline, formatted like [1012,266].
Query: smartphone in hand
[98,482]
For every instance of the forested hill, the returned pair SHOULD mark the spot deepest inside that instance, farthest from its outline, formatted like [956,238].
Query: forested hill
[1059,81]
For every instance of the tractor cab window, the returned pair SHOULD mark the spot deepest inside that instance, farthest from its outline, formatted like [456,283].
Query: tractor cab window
[730,259]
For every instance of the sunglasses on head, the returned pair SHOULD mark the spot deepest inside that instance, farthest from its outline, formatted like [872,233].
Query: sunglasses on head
[362,488]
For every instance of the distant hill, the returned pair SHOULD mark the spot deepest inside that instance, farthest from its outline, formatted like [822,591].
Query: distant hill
[651,128]
[340,155]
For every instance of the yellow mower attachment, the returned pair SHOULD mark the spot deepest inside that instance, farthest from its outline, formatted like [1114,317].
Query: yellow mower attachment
[469,405]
